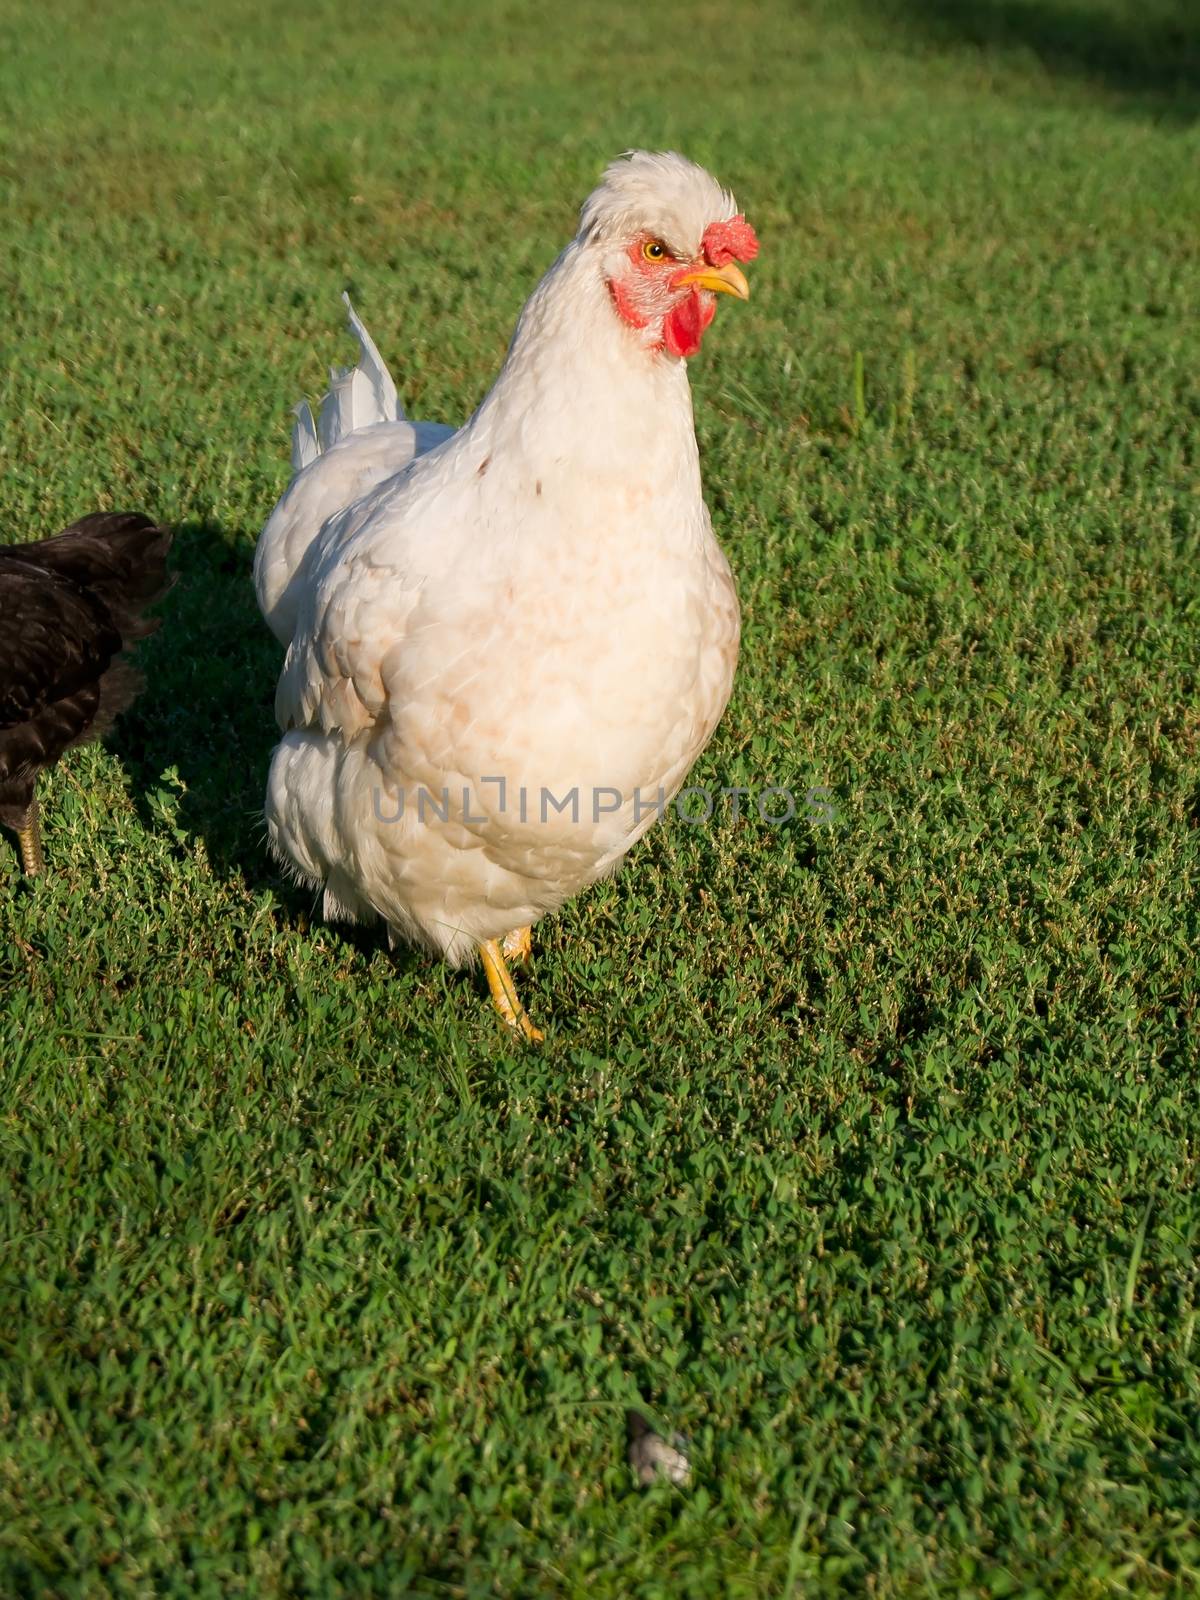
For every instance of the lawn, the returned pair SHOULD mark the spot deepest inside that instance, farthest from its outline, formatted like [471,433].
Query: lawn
[863,1151]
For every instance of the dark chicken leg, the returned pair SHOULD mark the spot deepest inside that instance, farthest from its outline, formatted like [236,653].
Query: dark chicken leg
[29,837]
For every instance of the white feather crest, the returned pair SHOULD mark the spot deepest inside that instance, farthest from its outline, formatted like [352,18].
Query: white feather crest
[658,192]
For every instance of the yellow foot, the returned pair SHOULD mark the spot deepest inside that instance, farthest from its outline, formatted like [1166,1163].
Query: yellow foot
[518,945]
[29,837]
[504,995]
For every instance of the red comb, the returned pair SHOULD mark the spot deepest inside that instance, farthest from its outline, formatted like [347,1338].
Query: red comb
[727,241]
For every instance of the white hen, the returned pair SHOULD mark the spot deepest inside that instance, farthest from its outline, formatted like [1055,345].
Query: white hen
[507,645]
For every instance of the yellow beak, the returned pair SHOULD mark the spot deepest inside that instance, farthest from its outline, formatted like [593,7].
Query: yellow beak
[729,279]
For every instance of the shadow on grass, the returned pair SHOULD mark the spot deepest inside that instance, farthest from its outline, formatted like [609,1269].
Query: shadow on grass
[1149,51]
[207,707]
[207,711]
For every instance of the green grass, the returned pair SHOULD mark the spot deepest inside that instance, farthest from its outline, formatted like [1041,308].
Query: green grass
[866,1154]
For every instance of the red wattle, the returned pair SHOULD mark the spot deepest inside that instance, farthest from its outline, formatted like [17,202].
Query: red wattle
[684,325]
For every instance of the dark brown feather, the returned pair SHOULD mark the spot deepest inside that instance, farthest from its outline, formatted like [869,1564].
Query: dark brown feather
[69,606]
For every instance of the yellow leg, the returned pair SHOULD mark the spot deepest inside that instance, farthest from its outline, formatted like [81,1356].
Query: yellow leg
[29,837]
[518,945]
[504,995]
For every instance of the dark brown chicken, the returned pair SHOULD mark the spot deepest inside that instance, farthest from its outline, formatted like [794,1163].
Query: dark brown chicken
[69,607]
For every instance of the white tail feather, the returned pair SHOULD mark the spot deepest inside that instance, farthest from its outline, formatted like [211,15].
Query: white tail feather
[358,397]
[306,446]
[373,367]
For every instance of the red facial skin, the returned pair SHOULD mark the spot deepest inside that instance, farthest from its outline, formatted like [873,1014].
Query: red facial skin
[650,294]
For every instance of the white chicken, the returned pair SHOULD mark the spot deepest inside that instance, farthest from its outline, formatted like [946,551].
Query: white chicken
[507,644]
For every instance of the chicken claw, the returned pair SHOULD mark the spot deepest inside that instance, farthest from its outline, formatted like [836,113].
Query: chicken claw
[518,945]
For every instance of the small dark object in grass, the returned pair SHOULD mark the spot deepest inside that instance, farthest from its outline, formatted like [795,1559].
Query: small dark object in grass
[652,1457]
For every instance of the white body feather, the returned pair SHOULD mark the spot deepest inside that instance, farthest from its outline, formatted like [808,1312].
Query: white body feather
[534,605]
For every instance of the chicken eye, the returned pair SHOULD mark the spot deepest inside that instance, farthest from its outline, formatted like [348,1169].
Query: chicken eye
[655,250]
